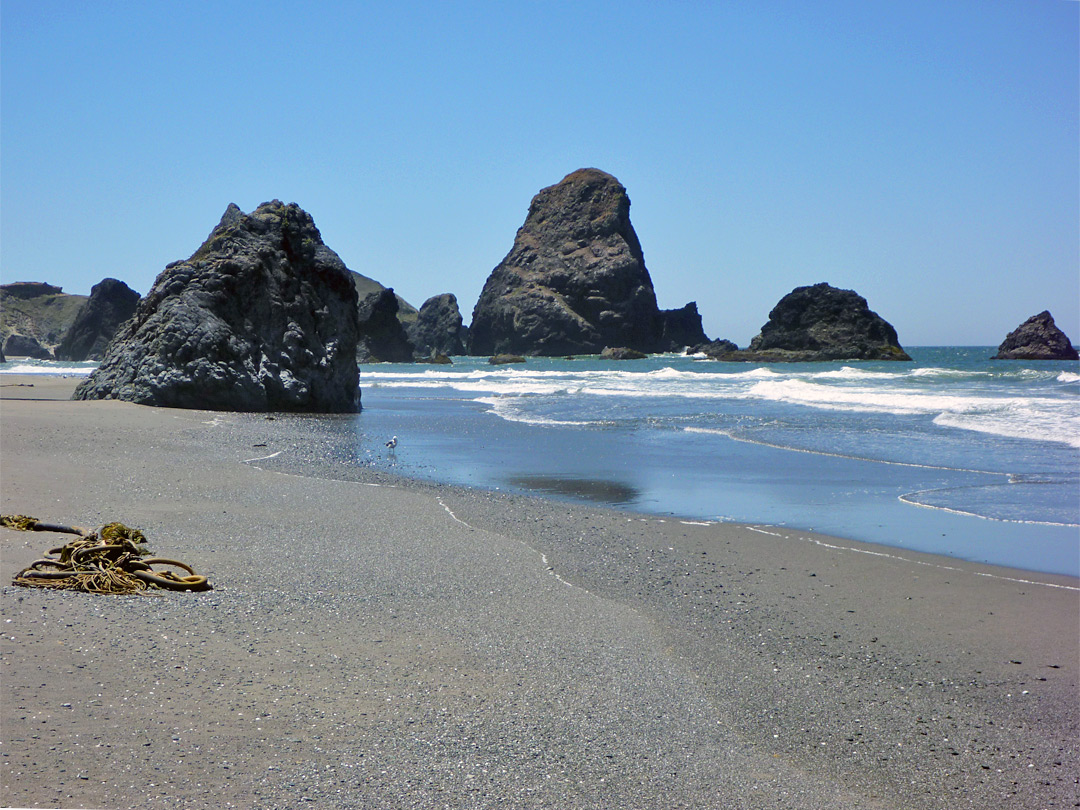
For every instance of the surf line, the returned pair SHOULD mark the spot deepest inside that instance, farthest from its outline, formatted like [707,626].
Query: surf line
[909,499]
[835,547]
[776,446]
[450,512]
[543,557]
[261,458]
[309,477]
[551,570]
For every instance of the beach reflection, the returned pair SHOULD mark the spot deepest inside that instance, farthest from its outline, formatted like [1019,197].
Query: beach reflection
[591,489]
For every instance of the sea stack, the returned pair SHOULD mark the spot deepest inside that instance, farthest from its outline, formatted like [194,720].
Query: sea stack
[821,323]
[111,303]
[382,337]
[1037,338]
[262,317]
[575,280]
[437,329]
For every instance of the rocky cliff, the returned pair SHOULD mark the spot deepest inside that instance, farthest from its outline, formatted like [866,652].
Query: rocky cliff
[34,317]
[262,317]
[111,303]
[1037,338]
[381,336]
[365,286]
[575,280]
[437,329]
[821,323]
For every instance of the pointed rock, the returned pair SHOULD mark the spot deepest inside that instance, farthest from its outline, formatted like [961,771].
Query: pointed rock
[1037,338]
[575,280]
[262,317]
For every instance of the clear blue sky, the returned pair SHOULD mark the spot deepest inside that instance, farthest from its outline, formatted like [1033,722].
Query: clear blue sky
[922,152]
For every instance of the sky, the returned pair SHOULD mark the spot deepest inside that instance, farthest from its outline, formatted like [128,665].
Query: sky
[925,153]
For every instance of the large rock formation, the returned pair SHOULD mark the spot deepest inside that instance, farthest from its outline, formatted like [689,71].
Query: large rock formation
[34,316]
[262,317]
[1037,338]
[381,336]
[437,329]
[575,280]
[821,323]
[682,327]
[111,303]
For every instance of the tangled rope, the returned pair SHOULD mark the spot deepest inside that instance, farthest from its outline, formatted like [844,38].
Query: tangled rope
[112,560]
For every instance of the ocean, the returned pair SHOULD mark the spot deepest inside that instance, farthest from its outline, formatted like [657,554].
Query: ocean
[952,454]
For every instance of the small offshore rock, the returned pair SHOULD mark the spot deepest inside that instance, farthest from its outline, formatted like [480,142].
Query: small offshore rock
[622,353]
[714,349]
[1037,338]
[436,358]
[504,359]
[822,323]
[682,327]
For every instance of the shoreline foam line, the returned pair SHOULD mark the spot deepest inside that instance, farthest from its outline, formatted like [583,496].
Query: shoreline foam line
[845,456]
[906,498]
[261,458]
[450,512]
[872,553]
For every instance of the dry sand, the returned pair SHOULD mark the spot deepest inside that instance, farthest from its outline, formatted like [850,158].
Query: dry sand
[385,643]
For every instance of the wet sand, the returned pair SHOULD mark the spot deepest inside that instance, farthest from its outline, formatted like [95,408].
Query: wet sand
[385,643]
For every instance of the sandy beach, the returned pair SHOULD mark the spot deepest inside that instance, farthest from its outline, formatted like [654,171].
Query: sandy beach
[383,643]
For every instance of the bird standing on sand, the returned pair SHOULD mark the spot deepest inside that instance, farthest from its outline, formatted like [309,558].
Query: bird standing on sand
[392,443]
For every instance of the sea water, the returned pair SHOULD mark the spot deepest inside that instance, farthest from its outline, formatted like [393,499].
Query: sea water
[953,453]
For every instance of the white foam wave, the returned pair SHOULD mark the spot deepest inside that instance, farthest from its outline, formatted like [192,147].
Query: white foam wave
[800,392]
[659,382]
[49,368]
[1034,418]
[1007,409]
[849,373]
[507,408]
[1018,422]
[1068,377]
[952,373]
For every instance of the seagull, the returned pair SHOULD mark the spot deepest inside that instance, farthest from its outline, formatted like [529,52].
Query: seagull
[392,443]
